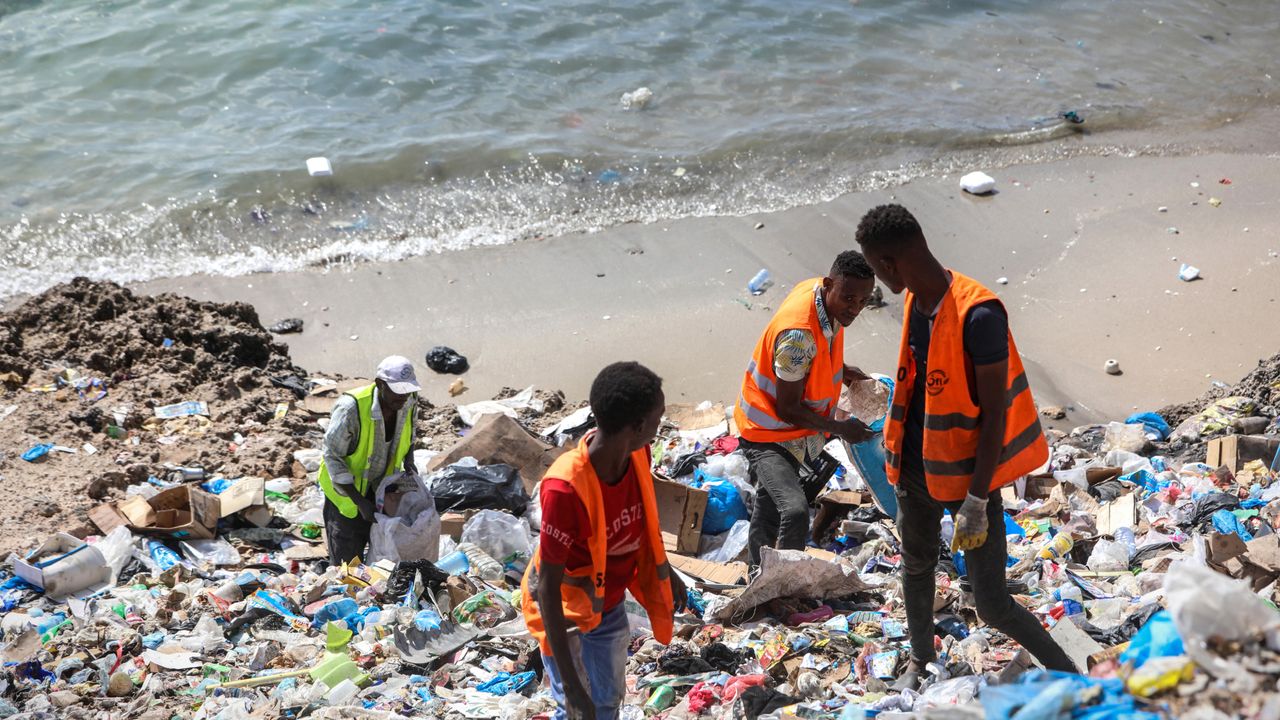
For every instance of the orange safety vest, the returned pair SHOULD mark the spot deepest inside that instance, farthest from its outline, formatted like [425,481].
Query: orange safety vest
[582,592]
[951,413]
[756,413]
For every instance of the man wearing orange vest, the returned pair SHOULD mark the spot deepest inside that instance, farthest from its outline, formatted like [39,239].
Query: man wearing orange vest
[599,539]
[962,425]
[789,394]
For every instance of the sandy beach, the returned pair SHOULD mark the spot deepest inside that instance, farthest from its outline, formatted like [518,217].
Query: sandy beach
[1091,260]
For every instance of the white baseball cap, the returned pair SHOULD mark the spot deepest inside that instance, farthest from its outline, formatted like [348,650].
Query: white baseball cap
[397,372]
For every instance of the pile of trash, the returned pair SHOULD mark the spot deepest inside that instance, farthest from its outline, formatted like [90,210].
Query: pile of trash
[1147,547]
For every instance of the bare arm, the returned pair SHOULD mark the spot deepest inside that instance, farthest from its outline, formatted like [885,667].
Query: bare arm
[991,380]
[792,410]
[577,699]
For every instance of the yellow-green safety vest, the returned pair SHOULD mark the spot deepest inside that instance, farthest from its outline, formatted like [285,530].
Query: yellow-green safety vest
[358,461]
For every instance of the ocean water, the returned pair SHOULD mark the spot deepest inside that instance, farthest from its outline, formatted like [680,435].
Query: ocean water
[150,138]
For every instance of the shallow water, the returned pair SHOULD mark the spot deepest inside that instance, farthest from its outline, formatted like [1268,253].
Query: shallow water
[146,138]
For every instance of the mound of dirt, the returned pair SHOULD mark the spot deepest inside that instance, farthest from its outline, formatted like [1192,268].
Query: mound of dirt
[86,364]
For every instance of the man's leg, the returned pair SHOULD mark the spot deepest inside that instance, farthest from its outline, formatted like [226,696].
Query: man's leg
[604,655]
[986,567]
[781,506]
[346,538]
[554,680]
[920,526]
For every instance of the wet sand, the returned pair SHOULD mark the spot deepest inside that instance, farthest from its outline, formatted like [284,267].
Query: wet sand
[1090,262]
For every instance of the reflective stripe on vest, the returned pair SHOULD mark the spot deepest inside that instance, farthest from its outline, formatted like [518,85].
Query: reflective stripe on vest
[582,590]
[755,413]
[953,418]
[358,461]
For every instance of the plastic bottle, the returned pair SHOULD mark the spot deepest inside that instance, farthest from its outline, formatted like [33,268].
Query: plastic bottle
[760,282]
[162,555]
[1125,537]
[486,567]
[661,699]
[455,563]
[1057,548]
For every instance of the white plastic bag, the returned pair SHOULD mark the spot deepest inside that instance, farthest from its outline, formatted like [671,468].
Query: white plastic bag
[1108,556]
[1205,605]
[216,551]
[116,547]
[731,545]
[503,537]
[414,532]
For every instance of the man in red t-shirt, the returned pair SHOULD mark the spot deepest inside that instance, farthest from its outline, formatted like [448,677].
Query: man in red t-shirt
[627,402]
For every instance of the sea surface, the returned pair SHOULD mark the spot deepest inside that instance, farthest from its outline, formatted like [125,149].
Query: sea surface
[150,138]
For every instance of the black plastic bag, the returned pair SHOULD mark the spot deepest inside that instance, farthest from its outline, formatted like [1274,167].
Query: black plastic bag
[1125,630]
[488,487]
[447,361]
[1204,508]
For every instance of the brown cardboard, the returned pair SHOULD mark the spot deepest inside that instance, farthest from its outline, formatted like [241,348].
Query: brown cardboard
[846,497]
[497,438]
[451,523]
[1119,513]
[686,416]
[184,511]
[1265,552]
[680,512]
[322,399]
[734,573]
[1096,475]
[821,554]
[1234,451]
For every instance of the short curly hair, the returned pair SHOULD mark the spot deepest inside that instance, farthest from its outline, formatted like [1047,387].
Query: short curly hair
[623,394]
[888,226]
[852,264]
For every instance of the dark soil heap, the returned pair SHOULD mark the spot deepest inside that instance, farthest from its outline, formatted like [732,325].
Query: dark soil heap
[1262,385]
[147,352]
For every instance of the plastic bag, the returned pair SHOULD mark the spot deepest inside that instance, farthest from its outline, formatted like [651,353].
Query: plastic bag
[956,691]
[1156,427]
[503,537]
[469,487]
[724,504]
[1205,605]
[216,551]
[1120,436]
[117,549]
[414,532]
[1108,556]
[731,544]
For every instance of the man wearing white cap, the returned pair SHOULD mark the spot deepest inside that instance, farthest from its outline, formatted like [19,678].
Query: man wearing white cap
[370,436]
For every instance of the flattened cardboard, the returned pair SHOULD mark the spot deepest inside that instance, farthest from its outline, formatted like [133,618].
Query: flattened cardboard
[322,399]
[1121,512]
[1234,451]
[845,497]
[734,573]
[243,493]
[680,512]
[1075,642]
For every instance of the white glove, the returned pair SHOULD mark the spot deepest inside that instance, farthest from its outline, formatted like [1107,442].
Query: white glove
[971,524]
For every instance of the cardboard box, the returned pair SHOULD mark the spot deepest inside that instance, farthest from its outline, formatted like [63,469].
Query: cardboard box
[185,511]
[451,523]
[1121,512]
[181,512]
[1234,451]
[680,512]
[734,573]
[63,565]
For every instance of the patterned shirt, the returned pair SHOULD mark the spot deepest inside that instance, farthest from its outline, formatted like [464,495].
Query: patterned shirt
[793,354]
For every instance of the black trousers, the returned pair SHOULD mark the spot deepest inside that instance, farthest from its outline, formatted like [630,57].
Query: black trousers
[347,538]
[920,525]
[781,516]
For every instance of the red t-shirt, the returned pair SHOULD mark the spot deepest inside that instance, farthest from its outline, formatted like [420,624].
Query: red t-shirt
[566,530]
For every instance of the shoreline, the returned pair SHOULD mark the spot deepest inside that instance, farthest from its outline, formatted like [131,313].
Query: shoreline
[1086,251]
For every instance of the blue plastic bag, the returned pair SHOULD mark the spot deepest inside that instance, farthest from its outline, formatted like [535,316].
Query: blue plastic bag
[1158,638]
[724,504]
[1225,522]
[1154,424]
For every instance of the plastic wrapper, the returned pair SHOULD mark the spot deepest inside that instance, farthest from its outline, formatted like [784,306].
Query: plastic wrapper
[728,546]
[1108,556]
[503,537]
[216,551]
[414,532]
[1208,606]
[463,486]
